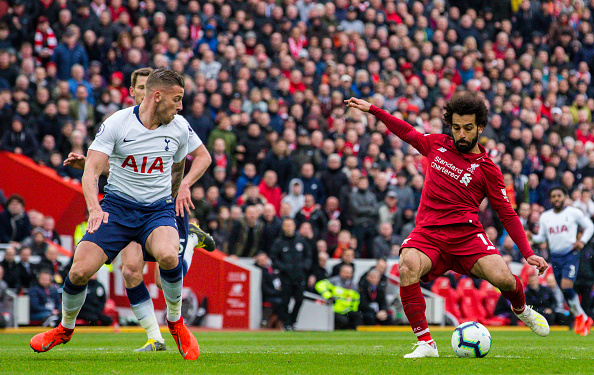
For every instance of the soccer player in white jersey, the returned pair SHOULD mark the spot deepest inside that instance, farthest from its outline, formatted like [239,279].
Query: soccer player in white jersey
[559,227]
[190,234]
[146,146]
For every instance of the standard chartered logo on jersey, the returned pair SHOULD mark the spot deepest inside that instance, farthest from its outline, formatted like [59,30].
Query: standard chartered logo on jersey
[451,170]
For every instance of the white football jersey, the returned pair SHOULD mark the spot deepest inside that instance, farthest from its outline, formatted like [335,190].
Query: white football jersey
[140,159]
[194,140]
[560,229]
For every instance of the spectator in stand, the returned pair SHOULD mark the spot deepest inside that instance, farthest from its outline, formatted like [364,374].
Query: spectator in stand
[384,243]
[295,197]
[49,230]
[248,175]
[269,189]
[540,297]
[37,242]
[318,272]
[342,291]
[3,289]
[305,152]
[405,194]
[44,300]
[311,213]
[292,256]
[388,210]
[246,234]
[333,178]
[68,53]
[45,40]
[252,147]
[92,309]
[272,228]
[279,161]
[373,306]
[363,209]
[347,257]
[11,269]
[19,139]
[14,222]
[50,262]
[311,184]
[26,269]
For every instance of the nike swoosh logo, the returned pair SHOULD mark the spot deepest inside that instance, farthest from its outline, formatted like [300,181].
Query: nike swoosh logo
[178,341]
[128,140]
[46,347]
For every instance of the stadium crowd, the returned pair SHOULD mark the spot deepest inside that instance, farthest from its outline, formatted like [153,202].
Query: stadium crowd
[265,84]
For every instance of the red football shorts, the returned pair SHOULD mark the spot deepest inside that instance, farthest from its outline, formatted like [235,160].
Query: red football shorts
[455,247]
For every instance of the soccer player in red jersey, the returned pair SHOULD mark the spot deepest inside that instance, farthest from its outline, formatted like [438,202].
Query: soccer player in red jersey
[448,235]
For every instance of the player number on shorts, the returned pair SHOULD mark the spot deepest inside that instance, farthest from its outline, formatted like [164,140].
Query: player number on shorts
[486,242]
[571,271]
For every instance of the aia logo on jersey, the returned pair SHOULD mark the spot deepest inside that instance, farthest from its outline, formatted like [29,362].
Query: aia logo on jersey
[442,149]
[156,165]
[472,168]
[558,230]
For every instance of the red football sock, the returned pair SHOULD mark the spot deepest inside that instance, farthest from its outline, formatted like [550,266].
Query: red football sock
[516,297]
[414,306]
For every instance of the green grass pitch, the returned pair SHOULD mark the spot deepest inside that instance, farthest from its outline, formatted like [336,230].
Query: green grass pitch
[223,352]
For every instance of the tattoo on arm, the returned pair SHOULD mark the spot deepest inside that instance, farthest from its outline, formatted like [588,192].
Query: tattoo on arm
[177,174]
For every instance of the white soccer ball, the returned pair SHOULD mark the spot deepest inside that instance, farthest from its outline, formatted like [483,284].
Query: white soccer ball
[471,340]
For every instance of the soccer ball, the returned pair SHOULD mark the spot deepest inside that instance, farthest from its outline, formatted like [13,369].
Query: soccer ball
[471,340]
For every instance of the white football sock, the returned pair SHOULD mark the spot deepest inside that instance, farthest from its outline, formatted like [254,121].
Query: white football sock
[71,305]
[145,313]
[189,254]
[575,307]
[172,292]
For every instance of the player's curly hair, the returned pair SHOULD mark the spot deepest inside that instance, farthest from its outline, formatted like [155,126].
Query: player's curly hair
[465,103]
[560,188]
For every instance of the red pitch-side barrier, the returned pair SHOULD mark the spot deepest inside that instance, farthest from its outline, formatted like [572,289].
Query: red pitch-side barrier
[43,190]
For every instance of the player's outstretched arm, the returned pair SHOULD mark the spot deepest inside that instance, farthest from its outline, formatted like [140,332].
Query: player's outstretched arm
[96,160]
[401,128]
[201,162]
[77,161]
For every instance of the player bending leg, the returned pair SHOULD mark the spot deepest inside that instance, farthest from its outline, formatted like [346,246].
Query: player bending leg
[146,146]
[448,235]
[558,227]
[190,235]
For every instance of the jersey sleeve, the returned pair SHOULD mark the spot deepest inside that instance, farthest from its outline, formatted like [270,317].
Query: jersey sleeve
[107,135]
[194,140]
[495,190]
[182,150]
[585,223]
[404,131]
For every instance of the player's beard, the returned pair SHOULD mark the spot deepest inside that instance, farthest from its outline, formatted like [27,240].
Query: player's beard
[162,114]
[466,147]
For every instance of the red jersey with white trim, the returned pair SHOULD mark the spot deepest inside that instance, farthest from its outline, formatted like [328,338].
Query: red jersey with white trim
[456,183]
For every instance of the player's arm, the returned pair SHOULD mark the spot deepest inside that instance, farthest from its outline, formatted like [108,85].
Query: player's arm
[495,190]
[202,159]
[177,174]
[541,236]
[588,226]
[401,128]
[77,161]
[96,160]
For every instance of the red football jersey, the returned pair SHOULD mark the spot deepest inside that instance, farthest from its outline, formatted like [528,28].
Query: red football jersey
[456,183]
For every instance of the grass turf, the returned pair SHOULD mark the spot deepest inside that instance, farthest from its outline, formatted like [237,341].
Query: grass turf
[520,352]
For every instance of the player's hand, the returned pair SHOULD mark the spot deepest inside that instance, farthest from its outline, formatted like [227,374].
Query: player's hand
[359,104]
[95,219]
[539,263]
[183,201]
[76,161]
[578,245]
